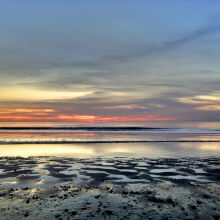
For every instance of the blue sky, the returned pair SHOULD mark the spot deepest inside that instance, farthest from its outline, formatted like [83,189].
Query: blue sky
[137,59]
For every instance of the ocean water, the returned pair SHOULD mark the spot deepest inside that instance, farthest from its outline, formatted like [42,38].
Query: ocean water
[146,140]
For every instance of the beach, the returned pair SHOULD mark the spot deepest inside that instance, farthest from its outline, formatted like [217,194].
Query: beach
[109,110]
[109,173]
[116,188]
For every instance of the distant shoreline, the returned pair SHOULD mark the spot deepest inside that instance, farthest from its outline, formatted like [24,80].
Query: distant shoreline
[105,142]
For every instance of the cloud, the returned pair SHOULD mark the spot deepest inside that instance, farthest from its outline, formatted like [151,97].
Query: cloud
[29,94]
[209,108]
[208,29]
[211,28]
[165,106]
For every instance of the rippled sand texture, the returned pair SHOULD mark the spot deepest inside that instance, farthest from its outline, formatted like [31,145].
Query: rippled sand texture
[119,188]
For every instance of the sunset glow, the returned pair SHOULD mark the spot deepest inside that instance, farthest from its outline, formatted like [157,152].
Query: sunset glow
[109,109]
[80,118]
[29,94]
[105,62]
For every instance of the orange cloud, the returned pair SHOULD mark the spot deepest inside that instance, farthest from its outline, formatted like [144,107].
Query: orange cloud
[79,118]
[36,114]
[23,118]
[76,117]
[25,114]
[92,118]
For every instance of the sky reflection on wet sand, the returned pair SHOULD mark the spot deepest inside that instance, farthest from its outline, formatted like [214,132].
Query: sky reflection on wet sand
[168,149]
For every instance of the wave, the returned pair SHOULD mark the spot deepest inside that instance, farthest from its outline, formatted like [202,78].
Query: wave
[103,142]
[111,129]
[79,128]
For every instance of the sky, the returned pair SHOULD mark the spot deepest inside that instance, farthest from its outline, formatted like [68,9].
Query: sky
[104,61]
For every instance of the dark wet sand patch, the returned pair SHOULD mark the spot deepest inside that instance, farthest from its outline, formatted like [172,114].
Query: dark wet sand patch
[99,188]
[205,169]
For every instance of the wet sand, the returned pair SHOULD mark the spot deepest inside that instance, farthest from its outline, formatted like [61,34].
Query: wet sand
[117,188]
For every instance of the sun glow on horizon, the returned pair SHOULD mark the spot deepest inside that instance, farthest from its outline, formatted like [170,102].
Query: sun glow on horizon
[51,115]
[29,94]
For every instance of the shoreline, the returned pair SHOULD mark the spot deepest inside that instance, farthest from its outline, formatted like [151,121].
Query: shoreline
[106,142]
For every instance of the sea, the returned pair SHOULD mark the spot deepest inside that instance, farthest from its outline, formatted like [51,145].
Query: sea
[147,139]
